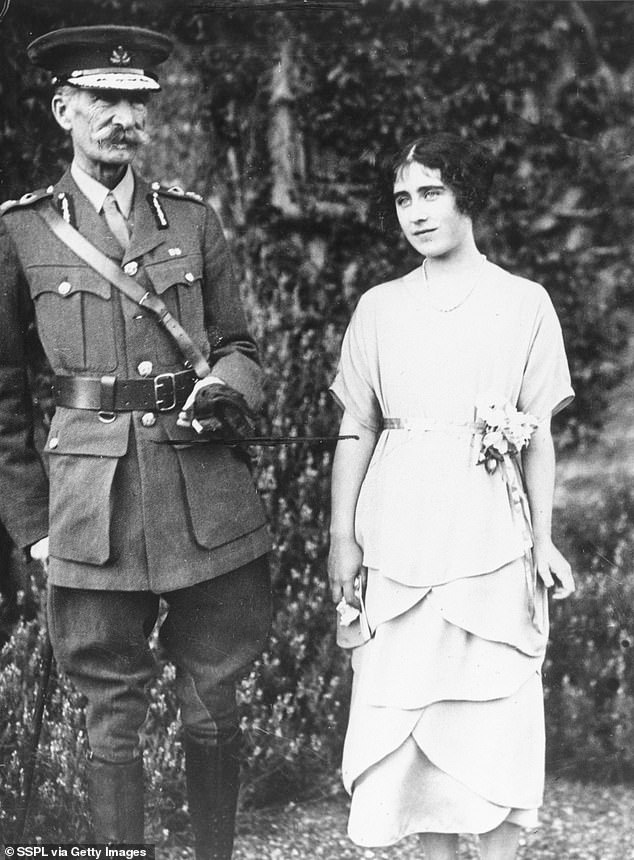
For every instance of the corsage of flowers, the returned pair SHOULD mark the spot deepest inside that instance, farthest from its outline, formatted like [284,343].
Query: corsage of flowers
[505,430]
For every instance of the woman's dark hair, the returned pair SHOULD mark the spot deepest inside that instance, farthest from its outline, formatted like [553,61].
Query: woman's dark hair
[465,167]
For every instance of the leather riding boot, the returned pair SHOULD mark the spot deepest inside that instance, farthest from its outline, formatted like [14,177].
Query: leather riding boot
[115,792]
[213,780]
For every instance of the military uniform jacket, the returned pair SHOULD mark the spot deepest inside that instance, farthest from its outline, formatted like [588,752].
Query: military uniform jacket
[125,512]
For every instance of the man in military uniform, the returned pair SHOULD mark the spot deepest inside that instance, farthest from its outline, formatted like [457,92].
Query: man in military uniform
[132,519]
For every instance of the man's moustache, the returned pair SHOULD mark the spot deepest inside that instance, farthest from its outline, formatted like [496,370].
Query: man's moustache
[116,134]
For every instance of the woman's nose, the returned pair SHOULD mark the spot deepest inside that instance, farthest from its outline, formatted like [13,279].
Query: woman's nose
[418,212]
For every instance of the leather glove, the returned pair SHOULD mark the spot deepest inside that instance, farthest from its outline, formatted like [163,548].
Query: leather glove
[222,410]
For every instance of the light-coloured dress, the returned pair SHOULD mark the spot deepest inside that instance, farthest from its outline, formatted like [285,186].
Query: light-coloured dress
[446,729]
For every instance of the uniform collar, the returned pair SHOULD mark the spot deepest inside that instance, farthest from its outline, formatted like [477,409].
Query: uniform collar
[97,193]
[145,234]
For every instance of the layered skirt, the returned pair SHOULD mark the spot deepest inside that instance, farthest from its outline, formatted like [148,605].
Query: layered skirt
[446,729]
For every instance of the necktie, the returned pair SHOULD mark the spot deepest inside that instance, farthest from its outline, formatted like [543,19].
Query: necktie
[116,222]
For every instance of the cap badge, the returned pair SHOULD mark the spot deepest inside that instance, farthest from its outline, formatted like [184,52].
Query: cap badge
[120,57]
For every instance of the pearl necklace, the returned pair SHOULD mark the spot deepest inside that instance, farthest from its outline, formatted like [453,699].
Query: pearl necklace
[462,300]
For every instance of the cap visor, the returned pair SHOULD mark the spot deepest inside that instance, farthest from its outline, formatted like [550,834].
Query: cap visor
[120,81]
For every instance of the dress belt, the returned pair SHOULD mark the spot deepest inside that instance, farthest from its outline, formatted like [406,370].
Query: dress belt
[427,425]
[110,394]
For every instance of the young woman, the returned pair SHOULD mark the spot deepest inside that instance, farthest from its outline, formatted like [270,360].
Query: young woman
[441,517]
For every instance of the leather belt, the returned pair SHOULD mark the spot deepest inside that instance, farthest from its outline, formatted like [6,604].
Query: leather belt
[110,394]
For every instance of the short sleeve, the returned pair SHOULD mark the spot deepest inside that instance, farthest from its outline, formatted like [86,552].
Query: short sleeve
[546,387]
[352,387]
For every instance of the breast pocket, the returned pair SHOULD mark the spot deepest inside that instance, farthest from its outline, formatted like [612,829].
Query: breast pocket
[178,281]
[74,312]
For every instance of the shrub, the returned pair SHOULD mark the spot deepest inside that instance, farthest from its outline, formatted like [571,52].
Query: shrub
[58,800]
[294,703]
[590,668]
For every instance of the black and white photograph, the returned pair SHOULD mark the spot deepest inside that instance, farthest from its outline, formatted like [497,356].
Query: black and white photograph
[316,429]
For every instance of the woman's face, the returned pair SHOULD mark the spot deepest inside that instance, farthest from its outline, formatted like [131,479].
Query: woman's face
[427,212]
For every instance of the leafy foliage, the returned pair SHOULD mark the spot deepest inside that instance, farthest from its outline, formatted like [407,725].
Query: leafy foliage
[546,86]
[547,90]
[590,670]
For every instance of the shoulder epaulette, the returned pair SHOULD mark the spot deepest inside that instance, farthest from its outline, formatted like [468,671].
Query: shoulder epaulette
[177,192]
[26,199]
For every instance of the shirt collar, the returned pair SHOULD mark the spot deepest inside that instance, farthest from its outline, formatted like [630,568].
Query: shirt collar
[97,193]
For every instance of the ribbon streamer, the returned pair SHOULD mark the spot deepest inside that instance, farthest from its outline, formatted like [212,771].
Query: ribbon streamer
[520,511]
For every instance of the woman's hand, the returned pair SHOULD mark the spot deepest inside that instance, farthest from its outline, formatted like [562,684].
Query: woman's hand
[345,564]
[553,569]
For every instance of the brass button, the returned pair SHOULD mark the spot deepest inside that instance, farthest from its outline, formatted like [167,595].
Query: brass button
[145,368]
[64,288]
[174,252]
[131,268]
[148,419]
[53,443]
[189,277]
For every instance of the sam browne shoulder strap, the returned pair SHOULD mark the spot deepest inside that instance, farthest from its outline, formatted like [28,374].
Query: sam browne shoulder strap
[108,269]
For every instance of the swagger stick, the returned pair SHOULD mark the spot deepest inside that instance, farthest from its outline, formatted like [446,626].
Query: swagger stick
[265,441]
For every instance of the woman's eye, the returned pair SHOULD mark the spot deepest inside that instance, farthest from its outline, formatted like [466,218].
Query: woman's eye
[432,194]
[401,200]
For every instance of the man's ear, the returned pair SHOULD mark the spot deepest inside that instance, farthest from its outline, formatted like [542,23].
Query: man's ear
[61,111]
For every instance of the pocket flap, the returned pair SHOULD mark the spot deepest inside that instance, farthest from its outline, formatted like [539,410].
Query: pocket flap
[178,270]
[66,281]
[79,431]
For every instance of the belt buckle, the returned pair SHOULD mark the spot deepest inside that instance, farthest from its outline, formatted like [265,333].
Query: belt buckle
[165,399]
